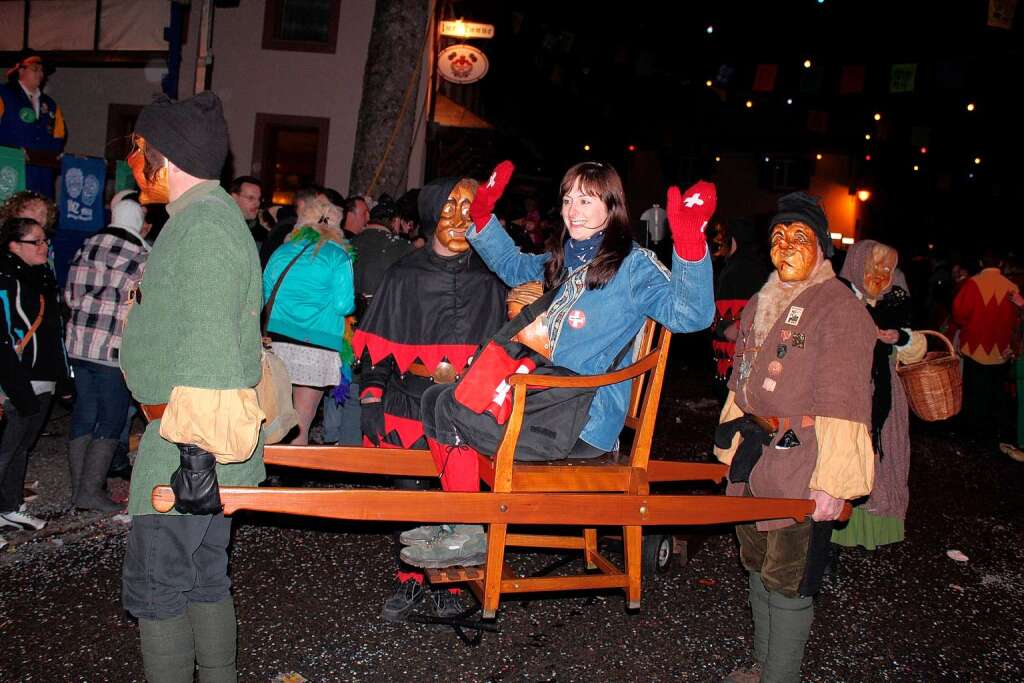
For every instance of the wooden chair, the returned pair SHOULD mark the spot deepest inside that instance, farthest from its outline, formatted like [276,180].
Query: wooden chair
[588,496]
[503,475]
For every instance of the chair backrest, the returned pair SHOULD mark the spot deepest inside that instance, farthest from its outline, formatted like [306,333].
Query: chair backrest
[645,396]
[646,373]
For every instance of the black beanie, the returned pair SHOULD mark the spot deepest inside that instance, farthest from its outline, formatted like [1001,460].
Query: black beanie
[192,133]
[432,197]
[800,206]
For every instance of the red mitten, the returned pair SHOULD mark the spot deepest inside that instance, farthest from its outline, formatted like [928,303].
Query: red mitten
[488,194]
[688,215]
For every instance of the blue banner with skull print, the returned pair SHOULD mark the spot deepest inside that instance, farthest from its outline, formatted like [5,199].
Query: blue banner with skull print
[81,193]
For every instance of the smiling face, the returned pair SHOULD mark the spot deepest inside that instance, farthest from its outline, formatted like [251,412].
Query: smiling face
[584,214]
[32,247]
[455,220]
[878,270]
[794,251]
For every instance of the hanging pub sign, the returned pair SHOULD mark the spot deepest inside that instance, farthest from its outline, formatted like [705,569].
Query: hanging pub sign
[466,29]
[462,64]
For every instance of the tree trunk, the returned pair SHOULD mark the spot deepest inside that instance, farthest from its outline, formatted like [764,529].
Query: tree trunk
[395,54]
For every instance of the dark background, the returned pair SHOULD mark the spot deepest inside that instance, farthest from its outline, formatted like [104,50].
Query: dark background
[567,74]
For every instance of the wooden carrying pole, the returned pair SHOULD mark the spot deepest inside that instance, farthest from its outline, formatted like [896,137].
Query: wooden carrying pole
[585,509]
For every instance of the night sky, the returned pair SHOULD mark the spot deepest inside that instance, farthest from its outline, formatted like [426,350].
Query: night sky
[564,74]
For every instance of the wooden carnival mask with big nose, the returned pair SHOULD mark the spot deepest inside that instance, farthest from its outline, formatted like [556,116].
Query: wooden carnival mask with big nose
[878,270]
[155,191]
[794,251]
[455,220]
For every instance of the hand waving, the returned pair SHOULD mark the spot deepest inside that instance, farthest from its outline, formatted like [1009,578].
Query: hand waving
[688,215]
[488,194]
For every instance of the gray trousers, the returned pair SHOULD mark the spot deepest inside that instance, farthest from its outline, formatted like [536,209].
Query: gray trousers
[175,560]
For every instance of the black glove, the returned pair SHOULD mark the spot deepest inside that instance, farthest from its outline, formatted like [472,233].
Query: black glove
[371,421]
[753,439]
[194,483]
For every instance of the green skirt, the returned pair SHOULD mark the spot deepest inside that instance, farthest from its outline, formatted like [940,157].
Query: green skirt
[868,530]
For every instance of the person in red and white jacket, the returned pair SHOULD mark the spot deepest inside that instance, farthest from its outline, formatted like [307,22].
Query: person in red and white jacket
[988,319]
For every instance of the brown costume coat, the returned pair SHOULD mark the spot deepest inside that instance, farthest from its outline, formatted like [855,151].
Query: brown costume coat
[814,362]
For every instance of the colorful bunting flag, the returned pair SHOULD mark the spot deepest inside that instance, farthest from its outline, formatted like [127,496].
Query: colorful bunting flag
[817,121]
[725,74]
[851,81]
[1000,13]
[764,77]
[902,78]
[810,81]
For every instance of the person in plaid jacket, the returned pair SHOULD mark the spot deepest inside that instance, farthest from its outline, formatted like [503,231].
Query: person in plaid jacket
[101,282]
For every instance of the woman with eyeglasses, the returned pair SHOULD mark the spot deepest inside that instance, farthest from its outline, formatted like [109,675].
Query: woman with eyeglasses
[32,357]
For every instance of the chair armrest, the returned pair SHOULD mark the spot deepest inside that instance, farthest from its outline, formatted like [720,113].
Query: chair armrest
[627,373]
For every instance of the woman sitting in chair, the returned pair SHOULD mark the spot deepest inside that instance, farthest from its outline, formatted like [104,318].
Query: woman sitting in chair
[606,287]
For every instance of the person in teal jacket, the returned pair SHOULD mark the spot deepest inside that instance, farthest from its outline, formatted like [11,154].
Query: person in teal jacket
[307,317]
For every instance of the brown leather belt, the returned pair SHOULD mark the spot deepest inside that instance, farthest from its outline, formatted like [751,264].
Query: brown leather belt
[774,425]
[153,411]
[444,373]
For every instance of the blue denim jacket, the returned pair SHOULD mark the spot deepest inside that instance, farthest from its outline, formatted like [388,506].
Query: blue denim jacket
[589,327]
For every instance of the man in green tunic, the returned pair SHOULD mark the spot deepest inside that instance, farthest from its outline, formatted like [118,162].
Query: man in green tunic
[191,355]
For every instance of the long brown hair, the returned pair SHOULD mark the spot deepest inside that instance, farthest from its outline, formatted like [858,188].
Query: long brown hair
[602,181]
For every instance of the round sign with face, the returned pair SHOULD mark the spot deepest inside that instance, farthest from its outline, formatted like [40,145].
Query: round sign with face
[462,64]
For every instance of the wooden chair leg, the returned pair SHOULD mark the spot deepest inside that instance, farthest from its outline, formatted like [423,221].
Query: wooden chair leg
[589,547]
[632,542]
[494,569]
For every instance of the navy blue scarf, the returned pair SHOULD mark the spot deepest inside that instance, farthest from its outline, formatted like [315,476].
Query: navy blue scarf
[581,252]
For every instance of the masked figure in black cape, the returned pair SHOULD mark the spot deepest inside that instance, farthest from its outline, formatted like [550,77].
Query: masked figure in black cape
[433,309]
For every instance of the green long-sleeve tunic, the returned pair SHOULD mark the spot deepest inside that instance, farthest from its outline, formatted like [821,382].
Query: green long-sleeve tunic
[195,323]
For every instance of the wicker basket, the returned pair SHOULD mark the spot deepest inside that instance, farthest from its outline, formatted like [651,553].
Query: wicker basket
[935,389]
